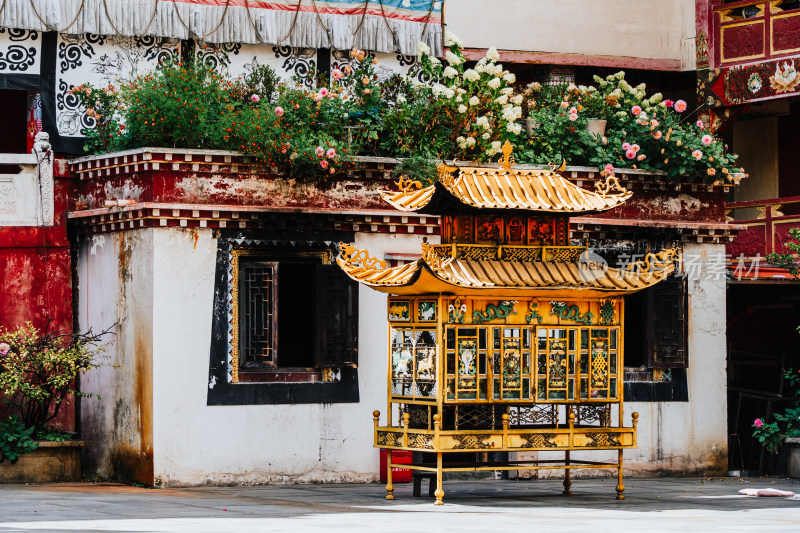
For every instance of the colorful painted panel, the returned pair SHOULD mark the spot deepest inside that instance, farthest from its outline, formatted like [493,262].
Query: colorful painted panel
[399,310]
[426,311]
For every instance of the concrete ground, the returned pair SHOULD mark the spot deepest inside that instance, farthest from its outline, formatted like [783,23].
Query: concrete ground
[651,505]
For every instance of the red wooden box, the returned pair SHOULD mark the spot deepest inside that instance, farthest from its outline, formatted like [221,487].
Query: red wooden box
[399,475]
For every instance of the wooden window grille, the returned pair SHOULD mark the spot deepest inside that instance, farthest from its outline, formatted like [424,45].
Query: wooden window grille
[666,331]
[258,302]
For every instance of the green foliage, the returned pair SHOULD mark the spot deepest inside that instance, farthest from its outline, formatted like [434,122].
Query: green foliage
[416,168]
[784,425]
[38,370]
[15,439]
[788,261]
[458,113]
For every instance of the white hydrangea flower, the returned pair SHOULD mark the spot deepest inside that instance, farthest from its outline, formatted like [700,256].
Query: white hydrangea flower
[492,54]
[471,75]
[497,70]
[435,60]
[474,101]
[486,136]
[462,109]
[508,91]
[480,67]
[483,122]
[452,58]
[495,149]
[470,141]
[451,39]
[510,77]
[509,115]
[494,83]
[459,98]
[459,90]
[502,99]
[423,49]
[449,72]
[516,99]
[518,110]
[514,128]
[656,98]
[448,92]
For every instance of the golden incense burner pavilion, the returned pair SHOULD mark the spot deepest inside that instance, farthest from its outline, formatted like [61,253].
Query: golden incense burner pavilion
[504,338]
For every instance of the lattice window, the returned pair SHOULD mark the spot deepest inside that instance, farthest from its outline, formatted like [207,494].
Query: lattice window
[258,297]
[666,324]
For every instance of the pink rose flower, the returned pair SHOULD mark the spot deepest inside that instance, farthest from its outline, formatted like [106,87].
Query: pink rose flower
[609,168]
[635,147]
[657,135]
[564,105]
[337,74]
[320,151]
[324,163]
[630,154]
[758,423]
[573,110]
[668,103]
[697,154]
[331,153]
[707,139]
[680,106]
[323,92]
[636,110]
[573,117]
[626,146]
[700,124]
[255,98]
[279,111]
[4,348]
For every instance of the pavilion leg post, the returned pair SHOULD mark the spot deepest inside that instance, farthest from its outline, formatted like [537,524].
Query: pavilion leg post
[620,486]
[567,478]
[439,492]
[389,486]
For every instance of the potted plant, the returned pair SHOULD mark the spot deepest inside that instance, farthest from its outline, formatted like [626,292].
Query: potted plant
[784,429]
[39,372]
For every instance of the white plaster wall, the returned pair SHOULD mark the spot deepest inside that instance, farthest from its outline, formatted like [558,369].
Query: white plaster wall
[195,443]
[115,286]
[652,29]
[686,437]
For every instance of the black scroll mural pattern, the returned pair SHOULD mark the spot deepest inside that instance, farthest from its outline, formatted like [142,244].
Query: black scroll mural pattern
[17,57]
[298,63]
[101,60]
[217,56]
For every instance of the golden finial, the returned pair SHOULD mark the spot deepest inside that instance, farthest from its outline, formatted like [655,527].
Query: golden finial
[506,161]
[560,168]
[406,185]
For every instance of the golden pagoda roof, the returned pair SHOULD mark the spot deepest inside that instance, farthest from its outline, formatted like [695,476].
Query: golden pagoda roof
[507,188]
[436,274]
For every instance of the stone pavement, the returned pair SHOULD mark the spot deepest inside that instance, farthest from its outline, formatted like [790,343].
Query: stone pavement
[652,505]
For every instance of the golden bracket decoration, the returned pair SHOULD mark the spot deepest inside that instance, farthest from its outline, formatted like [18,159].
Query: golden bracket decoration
[560,168]
[353,255]
[655,262]
[406,185]
[609,187]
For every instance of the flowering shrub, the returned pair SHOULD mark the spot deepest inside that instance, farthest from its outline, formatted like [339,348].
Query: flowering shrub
[459,113]
[787,424]
[643,132]
[38,370]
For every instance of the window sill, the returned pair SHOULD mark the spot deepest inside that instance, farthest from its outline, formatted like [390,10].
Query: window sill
[281,375]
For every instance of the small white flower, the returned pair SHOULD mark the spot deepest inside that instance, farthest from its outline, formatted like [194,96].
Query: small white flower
[452,58]
[459,98]
[451,39]
[462,109]
[401,99]
[471,75]
[571,87]
[492,54]
[514,128]
[486,136]
[494,83]
[482,122]
[502,100]
[510,78]
[517,99]
[474,101]
[448,92]
[459,90]
[423,49]
[449,72]
[470,141]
